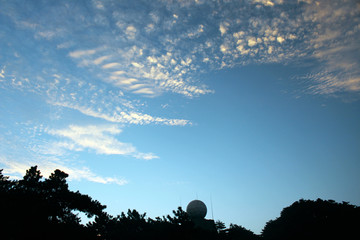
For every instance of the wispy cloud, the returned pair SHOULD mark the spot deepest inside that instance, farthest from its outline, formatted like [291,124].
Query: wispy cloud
[106,62]
[82,53]
[101,59]
[169,55]
[327,83]
[130,31]
[94,100]
[334,43]
[111,65]
[2,73]
[48,34]
[119,116]
[29,147]
[152,72]
[16,169]
[101,139]
[265,2]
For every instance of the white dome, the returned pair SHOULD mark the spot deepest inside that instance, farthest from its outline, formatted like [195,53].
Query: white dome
[196,209]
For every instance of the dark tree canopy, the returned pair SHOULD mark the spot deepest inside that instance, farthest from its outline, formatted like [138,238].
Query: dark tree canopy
[238,232]
[307,219]
[37,208]
[33,208]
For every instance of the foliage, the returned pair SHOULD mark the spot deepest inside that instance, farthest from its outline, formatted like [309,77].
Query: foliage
[37,208]
[306,219]
[134,225]
[236,232]
[43,208]
[219,225]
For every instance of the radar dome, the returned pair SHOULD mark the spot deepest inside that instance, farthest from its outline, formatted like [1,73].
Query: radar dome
[196,209]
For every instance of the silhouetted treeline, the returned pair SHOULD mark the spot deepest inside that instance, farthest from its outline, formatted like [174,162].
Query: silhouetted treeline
[37,208]
[32,208]
[306,219]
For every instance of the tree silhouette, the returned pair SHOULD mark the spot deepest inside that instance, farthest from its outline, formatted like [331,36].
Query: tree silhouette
[236,232]
[32,176]
[306,219]
[43,209]
[180,218]
[37,208]
[219,225]
[5,184]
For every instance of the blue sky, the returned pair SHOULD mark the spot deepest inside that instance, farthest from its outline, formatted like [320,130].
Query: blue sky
[148,105]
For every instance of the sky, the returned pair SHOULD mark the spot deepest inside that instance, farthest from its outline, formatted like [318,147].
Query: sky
[246,105]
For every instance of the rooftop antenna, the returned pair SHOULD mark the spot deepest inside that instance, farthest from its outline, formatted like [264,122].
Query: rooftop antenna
[212,211]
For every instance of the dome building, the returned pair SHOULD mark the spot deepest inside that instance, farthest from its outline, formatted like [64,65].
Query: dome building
[197,210]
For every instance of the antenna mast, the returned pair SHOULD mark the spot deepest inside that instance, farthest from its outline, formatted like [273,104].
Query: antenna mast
[212,211]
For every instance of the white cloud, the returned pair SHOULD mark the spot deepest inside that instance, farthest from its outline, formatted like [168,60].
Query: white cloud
[265,2]
[136,86]
[152,59]
[16,169]
[224,48]
[195,31]
[233,35]
[252,42]
[119,116]
[99,5]
[154,54]
[349,84]
[292,36]
[111,65]
[137,65]
[238,34]
[65,45]
[130,32]
[334,43]
[118,73]
[145,156]
[223,28]
[98,138]
[134,68]
[47,34]
[280,39]
[330,83]
[120,80]
[270,49]
[82,53]
[150,27]
[2,73]
[201,28]
[181,87]
[186,62]
[100,60]
[148,91]
[243,50]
